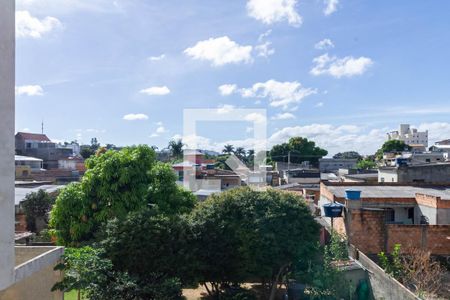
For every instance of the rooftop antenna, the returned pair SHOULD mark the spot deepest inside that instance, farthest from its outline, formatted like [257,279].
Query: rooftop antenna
[42,126]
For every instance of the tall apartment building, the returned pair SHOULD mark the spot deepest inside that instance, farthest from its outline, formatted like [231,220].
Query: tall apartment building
[411,136]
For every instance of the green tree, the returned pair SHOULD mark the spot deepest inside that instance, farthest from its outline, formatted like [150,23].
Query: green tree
[244,234]
[86,151]
[151,245]
[348,155]
[115,183]
[366,164]
[176,148]
[228,149]
[240,152]
[36,207]
[300,150]
[395,146]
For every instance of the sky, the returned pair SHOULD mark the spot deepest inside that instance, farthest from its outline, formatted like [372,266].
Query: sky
[339,72]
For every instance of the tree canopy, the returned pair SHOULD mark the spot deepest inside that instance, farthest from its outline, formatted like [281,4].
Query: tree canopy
[300,150]
[395,146]
[36,207]
[348,155]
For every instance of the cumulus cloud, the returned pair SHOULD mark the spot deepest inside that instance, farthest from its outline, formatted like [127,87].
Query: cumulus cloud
[159,130]
[29,90]
[29,26]
[279,94]
[135,117]
[156,91]
[272,11]
[225,109]
[334,138]
[220,51]
[330,7]
[264,50]
[255,117]
[156,58]
[340,67]
[283,116]
[324,44]
[227,89]
[319,104]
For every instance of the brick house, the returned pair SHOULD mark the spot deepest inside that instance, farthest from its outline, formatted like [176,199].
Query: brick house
[415,216]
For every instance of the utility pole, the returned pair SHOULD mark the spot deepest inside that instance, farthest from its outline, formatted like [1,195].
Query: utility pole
[289,166]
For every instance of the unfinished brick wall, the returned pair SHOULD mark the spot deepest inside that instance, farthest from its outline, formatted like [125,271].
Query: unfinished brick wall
[367,230]
[434,238]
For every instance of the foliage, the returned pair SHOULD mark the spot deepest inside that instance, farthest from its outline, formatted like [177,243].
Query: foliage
[348,155]
[393,264]
[149,243]
[300,150]
[176,148]
[366,164]
[115,183]
[220,162]
[89,272]
[228,149]
[36,207]
[242,234]
[337,248]
[395,146]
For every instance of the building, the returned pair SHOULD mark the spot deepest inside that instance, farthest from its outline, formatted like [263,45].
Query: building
[26,165]
[25,272]
[330,165]
[301,176]
[384,215]
[432,173]
[40,146]
[413,158]
[411,136]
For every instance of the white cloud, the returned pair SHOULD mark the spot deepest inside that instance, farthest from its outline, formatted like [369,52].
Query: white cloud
[220,51]
[134,117]
[29,26]
[160,129]
[334,138]
[26,129]
[340,67]
[272,11]
[283,116]
[330,7]
[225,109]
[319,104]
[280,94]
[255,117]
[324,44]
[29,90]
[156,91]
[70,6]
[264,35]
[264,50]
[227,89]
[156,58]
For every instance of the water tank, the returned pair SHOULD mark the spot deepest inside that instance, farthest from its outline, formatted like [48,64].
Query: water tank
[352,194]
[333,210]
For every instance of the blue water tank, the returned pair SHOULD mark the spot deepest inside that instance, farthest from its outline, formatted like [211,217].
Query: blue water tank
[351,194]
[333,210]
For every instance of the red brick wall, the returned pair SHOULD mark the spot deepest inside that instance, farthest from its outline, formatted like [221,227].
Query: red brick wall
[21,223]
[367,230]
[434,238]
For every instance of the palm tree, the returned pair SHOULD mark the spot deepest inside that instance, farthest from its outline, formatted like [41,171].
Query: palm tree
[228,149]
[176,148]
[240,152]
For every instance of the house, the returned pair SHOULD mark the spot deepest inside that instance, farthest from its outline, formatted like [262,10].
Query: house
[411,136]
[301,176]
[330,165]
[72,163]
[25,165]
[413,158]
[381,215]
[40,146]
[434,173]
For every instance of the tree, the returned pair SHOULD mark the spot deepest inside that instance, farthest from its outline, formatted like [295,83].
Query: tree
[115,183]
[176,148]
[348,155]
[240,152]
[36,207]
[228,149]
[151,246]
[366,164]
[244,234]
[300,150]
[86,151]
[395,146]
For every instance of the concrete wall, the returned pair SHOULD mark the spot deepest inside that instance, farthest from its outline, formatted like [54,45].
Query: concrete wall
[429,174]
[7,89]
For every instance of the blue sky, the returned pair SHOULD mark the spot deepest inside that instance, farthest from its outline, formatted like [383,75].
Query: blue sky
[340,72]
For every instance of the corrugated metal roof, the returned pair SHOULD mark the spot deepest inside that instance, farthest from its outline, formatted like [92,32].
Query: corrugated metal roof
[380,191]
[21,193]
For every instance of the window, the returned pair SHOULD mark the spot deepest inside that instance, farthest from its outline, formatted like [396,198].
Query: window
[389,215]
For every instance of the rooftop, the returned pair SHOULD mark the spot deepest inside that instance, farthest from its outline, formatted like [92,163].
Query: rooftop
[386,191]
[33,136]
[26,158]
[21,193]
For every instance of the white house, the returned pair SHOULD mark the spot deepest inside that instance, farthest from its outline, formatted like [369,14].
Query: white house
[411,136]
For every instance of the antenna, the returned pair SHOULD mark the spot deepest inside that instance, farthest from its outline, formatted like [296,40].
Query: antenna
[42,126]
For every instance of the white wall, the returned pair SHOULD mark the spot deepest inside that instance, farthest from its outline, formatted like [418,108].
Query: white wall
[7,79]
